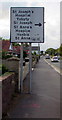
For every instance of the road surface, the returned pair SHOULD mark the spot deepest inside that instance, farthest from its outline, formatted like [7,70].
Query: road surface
[56,65]
[44,101]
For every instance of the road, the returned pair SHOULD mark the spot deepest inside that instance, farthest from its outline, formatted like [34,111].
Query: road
[55,65]
[44,101]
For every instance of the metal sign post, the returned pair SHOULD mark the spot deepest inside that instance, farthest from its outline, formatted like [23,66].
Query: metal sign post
[39,49]
[30,66]
[21,68]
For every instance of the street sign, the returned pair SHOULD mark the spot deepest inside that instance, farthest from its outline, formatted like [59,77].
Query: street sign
[27,24]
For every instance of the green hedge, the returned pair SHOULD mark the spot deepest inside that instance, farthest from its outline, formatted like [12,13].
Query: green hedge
[4,69]
[5,56]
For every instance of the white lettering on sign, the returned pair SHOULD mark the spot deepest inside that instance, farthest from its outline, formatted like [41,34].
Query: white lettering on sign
[27,24]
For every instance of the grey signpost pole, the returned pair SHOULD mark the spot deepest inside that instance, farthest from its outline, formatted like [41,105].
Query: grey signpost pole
[21,69]
[39,49]
[30,67]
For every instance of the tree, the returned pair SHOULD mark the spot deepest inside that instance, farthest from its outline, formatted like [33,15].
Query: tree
[16,44]
[61,50]
[26,44]
[41,52]
[50,51]
[34,52]
[57,51]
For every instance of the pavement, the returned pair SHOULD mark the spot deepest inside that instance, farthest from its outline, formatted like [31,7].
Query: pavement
[44,100]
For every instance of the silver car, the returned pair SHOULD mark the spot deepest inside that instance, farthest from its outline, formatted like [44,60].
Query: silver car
[54,59]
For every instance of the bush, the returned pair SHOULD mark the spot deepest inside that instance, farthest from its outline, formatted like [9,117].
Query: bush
[4,69]
[8,56]
[34,53]
[24,54]
[0,55]
[5,56]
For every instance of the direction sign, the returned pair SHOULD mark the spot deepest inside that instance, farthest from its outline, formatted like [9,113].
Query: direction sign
[38,24]
[27,24]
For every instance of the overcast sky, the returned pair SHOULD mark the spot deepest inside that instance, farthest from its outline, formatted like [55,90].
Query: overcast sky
[51,17]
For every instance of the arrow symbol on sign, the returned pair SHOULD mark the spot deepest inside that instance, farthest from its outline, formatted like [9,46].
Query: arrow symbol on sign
[38,24]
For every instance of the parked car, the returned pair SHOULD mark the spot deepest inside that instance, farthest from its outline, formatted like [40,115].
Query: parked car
[54,59]
[47,56]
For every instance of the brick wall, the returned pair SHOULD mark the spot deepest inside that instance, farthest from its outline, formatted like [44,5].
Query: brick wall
[12,64]
[8,88]
[10,82]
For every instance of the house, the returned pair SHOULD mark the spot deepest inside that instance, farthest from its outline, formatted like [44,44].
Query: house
[13,50]
[17,48]
[6,47]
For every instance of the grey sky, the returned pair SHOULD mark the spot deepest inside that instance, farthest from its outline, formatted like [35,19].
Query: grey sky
[52,19]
